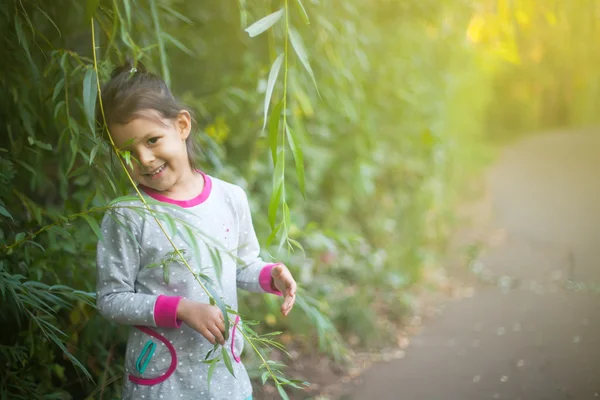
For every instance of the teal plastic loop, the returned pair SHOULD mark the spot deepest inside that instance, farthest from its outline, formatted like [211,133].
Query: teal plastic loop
[142,362]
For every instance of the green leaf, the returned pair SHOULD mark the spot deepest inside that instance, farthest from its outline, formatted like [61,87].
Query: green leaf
[273,73]
[215,347]
[94,225]
[211,371]
[90,9]
[21,38]
[303,11]
[176,14]
[19,236]
[36,244]
[298,158]
[5,212]
[178,44]
[192,241]
[282,393]
[272,236]
[58,88]
[274,205]
[90,93]
[264,23]
[58,106]
[127,12]
[94,151]
[264,377]
[127,157]
[171,224]
[164,62]
[274,129]
[166,273]
[39,144]
[227,361]
[215,256]
[296,243]
[298,46]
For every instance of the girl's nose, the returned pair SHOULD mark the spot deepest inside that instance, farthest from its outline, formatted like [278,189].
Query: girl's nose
[146,158]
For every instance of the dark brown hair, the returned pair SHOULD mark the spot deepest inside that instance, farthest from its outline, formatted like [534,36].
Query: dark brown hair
[131,90]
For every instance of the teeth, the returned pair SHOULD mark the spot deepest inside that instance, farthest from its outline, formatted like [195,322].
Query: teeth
[158,170]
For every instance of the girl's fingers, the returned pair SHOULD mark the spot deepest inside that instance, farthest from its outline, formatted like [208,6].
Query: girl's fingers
[288,303]
[217,334]
[292,288]
[208,335]
[221,325]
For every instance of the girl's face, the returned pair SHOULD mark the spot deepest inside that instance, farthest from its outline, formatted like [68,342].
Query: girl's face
[157,145]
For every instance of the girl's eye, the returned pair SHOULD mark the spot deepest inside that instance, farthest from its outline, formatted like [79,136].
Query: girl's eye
[153,140]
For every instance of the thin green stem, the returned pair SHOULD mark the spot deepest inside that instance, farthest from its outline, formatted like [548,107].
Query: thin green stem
[285,84]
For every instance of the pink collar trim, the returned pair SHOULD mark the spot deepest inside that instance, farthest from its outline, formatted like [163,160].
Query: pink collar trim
[201,198]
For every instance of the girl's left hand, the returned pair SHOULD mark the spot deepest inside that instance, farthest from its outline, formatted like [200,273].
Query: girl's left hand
[285,283]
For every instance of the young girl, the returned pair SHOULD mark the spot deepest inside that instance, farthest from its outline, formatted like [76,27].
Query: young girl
[174,325]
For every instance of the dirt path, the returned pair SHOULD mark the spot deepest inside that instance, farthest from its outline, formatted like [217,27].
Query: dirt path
[532,329]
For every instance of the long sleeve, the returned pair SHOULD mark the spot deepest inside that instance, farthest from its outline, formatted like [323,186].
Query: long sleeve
[118,262]
[253,274]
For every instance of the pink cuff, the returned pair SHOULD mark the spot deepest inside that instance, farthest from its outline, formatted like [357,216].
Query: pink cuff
[165,311]
[266,281]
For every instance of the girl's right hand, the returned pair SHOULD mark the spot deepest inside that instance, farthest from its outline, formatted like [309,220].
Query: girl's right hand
[203,318]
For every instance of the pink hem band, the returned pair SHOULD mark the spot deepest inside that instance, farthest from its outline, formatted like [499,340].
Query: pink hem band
[165,311]
[166,375]
[236,358]
[201,198]
[266,281]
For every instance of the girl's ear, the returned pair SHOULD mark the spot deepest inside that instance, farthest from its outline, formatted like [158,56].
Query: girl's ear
[183,123]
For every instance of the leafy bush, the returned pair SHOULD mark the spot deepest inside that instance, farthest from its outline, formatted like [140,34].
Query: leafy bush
[375,118]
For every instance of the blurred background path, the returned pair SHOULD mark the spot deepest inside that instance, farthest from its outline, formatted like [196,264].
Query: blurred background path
[532,329]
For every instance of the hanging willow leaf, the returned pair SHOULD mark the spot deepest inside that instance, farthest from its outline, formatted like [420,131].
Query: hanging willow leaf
[58,88]
[271,84]
[298,46]
[124,199]
[303,11]
[282,393]
[127,12]
[298,157]
[21,38]
[272,236]
[178,44]
[227,360]
[211,371]
[94,225]
[166,272]
[264,23]
[274,129]
[5,212]
[164,62]
[90,92]
[215,256]
[94,151]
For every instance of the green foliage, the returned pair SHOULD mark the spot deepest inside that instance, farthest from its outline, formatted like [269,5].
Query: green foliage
[351,124]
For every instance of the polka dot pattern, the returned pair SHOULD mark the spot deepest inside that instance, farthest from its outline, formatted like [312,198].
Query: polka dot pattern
[128,288]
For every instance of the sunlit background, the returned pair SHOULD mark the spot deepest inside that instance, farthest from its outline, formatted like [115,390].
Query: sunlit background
[356,127]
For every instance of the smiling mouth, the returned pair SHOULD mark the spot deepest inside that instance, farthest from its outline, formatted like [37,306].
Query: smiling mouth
[157,170]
